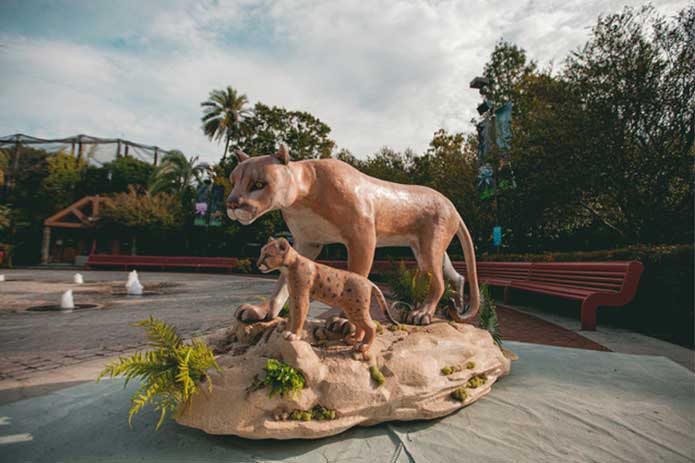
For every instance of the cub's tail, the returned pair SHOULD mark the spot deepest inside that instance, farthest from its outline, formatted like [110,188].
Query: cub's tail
[381,300]
[469,254]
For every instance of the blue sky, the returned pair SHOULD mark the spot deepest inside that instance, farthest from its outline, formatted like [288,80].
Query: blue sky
[378,72]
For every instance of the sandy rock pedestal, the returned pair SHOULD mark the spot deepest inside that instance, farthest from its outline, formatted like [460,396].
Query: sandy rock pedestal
[411,361]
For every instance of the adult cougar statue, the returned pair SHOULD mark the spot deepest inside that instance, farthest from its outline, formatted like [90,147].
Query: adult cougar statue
[328,201]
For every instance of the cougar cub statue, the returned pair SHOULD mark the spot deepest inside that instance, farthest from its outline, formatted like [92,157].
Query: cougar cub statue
[328,201]
[308,280]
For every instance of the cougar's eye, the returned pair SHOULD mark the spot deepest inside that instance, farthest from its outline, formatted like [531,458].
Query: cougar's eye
[257,186]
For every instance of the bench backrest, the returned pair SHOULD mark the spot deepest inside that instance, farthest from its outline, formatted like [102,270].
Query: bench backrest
[609,277]
[498,270]
[124,259]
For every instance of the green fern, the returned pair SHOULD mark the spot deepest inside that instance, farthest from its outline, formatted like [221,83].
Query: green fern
[487,316]
[169,375]
[411,287]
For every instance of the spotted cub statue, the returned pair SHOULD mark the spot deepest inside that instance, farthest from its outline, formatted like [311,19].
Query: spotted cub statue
[308,280]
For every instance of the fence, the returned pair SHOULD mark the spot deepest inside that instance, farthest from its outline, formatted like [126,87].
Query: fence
[93,149]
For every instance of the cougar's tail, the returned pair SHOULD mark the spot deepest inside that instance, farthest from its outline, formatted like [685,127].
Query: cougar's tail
[469,253]
[381,300]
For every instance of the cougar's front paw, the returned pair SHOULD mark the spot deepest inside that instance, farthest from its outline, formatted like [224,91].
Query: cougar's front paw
[290,336]
[249,313]
[340,325]
[418,317]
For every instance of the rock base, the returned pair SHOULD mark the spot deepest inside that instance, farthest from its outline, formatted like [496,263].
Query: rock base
[429,372]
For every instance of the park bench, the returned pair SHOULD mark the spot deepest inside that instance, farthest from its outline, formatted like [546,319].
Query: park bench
[105,260]
[593,283]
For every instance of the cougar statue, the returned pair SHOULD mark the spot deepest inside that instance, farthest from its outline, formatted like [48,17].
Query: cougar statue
[327,201]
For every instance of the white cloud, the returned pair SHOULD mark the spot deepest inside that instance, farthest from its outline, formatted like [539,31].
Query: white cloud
[379,73]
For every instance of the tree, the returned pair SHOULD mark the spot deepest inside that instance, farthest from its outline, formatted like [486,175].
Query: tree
[176,173]
[64,174]
[636,91]
[223,114]
[305,135]
[507,68]
[134,212]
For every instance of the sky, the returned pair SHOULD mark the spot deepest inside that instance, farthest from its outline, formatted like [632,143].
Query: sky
[379,73]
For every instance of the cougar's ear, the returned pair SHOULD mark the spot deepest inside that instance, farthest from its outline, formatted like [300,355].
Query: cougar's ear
[283,245]
[283,154]
[241,156]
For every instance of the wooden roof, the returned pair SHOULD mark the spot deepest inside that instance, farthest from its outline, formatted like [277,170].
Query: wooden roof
[80,214]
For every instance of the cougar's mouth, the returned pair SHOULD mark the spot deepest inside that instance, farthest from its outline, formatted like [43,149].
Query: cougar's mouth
[242,214]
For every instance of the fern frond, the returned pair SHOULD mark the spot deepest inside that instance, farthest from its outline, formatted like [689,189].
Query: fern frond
[169,374]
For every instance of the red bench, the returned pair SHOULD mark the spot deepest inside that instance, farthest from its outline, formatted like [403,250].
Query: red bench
[592,283]
[106,260]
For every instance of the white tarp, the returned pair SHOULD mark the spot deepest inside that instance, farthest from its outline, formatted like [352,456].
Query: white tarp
[558,405]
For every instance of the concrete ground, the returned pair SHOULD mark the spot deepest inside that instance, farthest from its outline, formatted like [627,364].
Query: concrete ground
[42,351]
[617,339]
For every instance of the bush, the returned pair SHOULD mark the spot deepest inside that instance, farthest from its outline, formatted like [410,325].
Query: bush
[663,306]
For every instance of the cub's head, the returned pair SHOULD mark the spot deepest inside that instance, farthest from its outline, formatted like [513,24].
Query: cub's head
[260,184]
[273,255]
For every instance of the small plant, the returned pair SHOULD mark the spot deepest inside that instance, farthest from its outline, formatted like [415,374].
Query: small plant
[487,316]
[476,381]
[446,371]
[318,413]
[171,373]
[280,378]
[398,327]
[410,287]
[459,394]
[379,328]
[376,375]
[244,266]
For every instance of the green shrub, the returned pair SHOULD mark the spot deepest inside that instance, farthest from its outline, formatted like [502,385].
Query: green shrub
[667,283]
[487,315]
[410,286]
[171,373]
[244,266]
[280,378]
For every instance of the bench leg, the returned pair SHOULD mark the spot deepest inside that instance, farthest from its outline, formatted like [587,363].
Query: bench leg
[589,315]
[506,294]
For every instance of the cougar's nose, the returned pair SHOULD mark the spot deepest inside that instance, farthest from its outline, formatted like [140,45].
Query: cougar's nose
[233,202]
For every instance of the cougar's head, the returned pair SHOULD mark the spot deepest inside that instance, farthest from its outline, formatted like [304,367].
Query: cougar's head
[260,184]
[273,255]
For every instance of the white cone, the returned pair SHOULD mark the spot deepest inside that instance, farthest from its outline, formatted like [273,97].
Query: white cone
[78,279]
[66,302]
[2,277]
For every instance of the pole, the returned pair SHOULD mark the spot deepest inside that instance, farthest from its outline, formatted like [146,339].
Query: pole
[118,148]
[156,155]
[45,244]
[79,147]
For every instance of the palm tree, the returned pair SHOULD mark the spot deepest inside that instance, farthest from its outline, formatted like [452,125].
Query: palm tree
[176,173]
[223,112]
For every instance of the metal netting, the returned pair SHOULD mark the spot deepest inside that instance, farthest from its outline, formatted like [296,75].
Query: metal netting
[93,149]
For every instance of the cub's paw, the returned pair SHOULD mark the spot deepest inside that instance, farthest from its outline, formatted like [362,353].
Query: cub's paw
[290,336]
[418,317]
[340,325]
[249,313]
